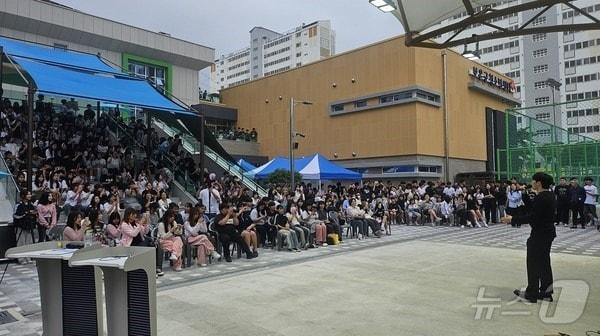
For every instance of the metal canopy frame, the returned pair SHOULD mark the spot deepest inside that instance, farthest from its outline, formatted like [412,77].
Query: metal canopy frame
[418,39]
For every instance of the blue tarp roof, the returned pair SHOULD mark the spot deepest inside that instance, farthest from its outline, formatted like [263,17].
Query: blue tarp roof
[319,167]
[54,56]
[73,74]
[246,166]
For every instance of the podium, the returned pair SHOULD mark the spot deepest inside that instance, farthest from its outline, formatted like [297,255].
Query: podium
[129,287]
[71,297]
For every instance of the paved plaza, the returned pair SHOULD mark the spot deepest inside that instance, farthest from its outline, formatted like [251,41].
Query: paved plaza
[421,281]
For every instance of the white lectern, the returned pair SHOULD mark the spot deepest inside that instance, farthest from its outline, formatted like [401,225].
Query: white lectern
[71,297]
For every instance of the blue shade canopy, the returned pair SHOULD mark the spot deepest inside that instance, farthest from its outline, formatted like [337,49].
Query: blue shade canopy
[55,56]
[4,174]
[317,167]
[64,81]
[246,166]
[268,168]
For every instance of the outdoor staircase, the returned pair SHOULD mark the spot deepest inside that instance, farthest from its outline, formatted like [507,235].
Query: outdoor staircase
[193,146]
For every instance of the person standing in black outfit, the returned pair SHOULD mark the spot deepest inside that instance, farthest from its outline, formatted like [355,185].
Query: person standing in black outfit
[562,202]
[576,200]
[539,213]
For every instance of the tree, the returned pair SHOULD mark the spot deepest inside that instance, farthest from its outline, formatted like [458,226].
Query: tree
[282,176]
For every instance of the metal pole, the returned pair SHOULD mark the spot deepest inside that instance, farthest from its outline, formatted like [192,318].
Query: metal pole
[446,144]
[148,138]
[293,182]
[202,121]
[553,116]
[97,112]
[30,93]
[1,72]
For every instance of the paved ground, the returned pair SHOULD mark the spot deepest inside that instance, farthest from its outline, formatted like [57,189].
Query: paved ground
[19,296]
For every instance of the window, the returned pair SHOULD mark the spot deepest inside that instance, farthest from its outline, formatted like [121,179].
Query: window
[430,169]
[540,53]
[538,37]
[542,116]
[395,97]
[539,21]
[60,46]
[542,100]
[337,108]
[298,54]
[360,103]
[543,132]
[298,45]
[540,68]
[154,73]
[539,85]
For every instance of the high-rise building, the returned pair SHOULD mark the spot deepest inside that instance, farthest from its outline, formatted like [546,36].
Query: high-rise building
[271,52]
[570,58]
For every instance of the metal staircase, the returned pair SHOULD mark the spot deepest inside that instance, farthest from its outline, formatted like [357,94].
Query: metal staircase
[193,146]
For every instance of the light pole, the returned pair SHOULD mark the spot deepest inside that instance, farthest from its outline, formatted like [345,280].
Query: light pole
[293,103]
[554,86]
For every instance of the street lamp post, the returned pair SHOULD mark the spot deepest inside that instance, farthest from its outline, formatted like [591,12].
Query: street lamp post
[554,86]
[292,135]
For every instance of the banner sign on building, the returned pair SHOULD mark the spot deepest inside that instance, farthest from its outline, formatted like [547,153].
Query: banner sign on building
[492,79]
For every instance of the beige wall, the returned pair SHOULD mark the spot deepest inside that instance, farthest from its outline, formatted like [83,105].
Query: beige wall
[407,129]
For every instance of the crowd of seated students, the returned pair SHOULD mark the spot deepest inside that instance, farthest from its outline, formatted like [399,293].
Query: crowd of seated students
[237,134]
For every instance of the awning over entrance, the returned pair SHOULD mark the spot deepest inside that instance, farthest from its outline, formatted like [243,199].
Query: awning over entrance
[84,76]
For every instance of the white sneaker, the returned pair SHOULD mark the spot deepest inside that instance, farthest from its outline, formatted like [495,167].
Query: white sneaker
[478,225]
[173,257]
[360,236]
[485,224]
[324,244]
[215,255]
[462,226]
[203,265]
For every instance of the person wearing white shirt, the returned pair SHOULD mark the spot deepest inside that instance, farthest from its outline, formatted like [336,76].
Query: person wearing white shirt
[211,199]
[591,200]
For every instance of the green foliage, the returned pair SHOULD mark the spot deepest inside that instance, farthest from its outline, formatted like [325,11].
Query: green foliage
[282,177]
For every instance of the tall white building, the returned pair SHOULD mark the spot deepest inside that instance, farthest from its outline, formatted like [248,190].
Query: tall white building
[271,52]
[571,58]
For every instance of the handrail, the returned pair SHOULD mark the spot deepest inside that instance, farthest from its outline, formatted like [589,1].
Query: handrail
[191,144]
[11,178]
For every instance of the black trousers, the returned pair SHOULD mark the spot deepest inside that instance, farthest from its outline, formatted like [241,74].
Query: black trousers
[562,212]
[42,236]
[228,235]
[462,216]
[491,212]
[578,216]
[539,270]
[266,232]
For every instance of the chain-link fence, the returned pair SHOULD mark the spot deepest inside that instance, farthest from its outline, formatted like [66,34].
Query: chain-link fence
[533,143]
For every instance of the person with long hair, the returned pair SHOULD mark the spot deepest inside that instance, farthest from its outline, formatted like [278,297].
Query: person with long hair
[196,229]
[113,228]
[169,237]
[132,233]
[76,227]
[46,216]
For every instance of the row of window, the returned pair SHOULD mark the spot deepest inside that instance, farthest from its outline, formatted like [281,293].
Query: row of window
[542,116]
[277,52]
[479,8]
[237,74]
[498,47]
[584,129]
[390,98]
[540,68]
[281,60]
[582,61]
[582,113]
[276,71]
[582,95]
[239,65]
[514,74]
[581,79]
[237,57]
[542,132]
[539,37]
[239,82]
[540,53]
[581,45]
[539,85]
[573,13]
[542,100]
[503,61]
[276,42]
[539,21]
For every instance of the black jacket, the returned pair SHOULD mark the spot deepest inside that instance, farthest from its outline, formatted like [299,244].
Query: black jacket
[576,195]
[539,213]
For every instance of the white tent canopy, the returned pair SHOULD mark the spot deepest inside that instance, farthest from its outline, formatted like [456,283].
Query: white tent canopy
[418,15]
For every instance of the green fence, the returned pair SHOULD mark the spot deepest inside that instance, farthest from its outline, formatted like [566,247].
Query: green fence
[532,143]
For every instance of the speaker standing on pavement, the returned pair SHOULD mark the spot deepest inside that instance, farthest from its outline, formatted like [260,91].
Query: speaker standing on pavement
[539,213]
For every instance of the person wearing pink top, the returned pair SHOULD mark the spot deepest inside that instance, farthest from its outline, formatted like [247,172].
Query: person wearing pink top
[113,229]
[132,233]
[195,231]
[169,236]
[76,226]
[46,216]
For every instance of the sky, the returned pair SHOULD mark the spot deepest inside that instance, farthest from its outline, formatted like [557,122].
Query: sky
[225,25]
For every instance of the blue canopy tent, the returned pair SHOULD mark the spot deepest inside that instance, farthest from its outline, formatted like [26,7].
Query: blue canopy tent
[282,163]
[246,166]
[317,167]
